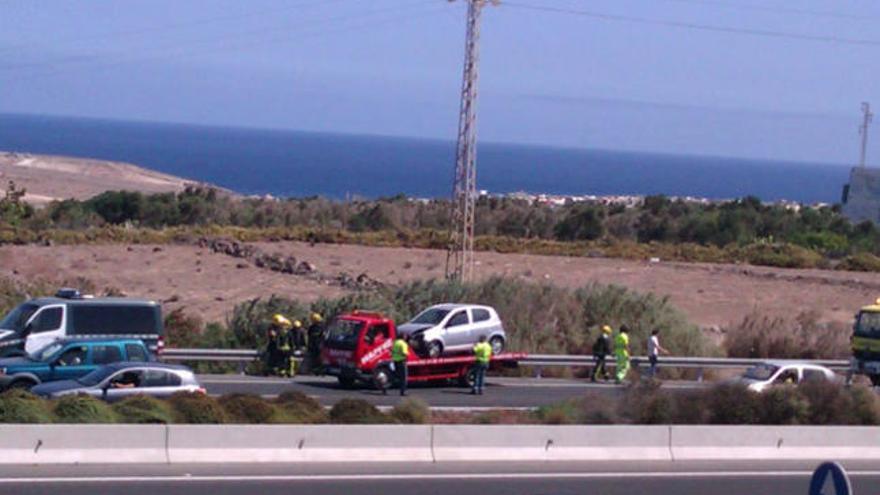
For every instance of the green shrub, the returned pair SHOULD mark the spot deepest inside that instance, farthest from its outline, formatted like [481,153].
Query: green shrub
[356,411]
[141,409]
[732,404]
[82,408]
[297,407]
[860,262]
[195,408]
[783,405]
[804,337]
[866,406]
[412,411]
[561,413]
[19,406]
[247,408]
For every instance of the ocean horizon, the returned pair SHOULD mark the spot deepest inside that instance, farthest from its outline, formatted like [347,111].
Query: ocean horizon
[287,163]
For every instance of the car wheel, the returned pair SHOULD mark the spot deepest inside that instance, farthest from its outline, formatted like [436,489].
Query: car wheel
[21,385]
[381,377]
[434,349]
[346,381]
[497,344]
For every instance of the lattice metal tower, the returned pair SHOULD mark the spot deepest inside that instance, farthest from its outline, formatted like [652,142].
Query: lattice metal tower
[460,254]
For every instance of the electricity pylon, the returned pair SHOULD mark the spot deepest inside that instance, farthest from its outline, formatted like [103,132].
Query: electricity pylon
[460,254]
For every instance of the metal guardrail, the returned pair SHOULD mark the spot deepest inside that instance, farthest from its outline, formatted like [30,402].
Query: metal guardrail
[247,355]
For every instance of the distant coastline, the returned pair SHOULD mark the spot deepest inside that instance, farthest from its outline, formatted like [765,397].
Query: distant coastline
[301,164]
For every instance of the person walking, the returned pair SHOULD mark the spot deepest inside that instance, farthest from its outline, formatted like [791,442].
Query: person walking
[654,350]
[601,349]
[482,356]
[399,355]
[621,352]
[280,329]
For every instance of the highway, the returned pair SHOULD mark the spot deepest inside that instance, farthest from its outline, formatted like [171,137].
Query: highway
[502,392]
[606,478]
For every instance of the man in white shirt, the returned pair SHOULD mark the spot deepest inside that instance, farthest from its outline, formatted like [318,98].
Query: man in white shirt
[654,350]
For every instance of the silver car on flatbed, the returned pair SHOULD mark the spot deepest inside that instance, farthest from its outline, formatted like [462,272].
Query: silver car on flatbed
[117,381]
[452,328]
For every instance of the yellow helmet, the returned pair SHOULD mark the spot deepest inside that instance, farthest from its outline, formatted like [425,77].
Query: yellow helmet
[316,317]
[297,324]
[281,320]
[606,329]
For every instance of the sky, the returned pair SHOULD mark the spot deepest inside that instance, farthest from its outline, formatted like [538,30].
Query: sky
[766,79]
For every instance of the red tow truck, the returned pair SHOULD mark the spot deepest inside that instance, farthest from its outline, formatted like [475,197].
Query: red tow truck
[357,349]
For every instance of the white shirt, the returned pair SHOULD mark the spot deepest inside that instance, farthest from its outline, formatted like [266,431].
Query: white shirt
[653,345]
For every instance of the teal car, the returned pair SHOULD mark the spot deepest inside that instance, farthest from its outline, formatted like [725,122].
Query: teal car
[67,360]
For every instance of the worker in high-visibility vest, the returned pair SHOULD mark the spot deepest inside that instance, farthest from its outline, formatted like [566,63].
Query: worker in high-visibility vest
[399,355]
[280,349]
[621,353]
[482,355]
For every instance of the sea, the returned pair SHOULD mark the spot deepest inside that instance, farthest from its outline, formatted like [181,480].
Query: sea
[286,163]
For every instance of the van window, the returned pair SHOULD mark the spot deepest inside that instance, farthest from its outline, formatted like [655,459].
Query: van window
[481,314]
[113,319]
[460,318]
[106,354]
[135,352]
[47,320]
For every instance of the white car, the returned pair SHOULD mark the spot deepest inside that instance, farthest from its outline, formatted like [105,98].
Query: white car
[452,328]
[765,375]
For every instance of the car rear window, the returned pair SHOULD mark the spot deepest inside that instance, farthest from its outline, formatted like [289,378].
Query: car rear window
[160,378]
[813,375]
[135,352]
[106,354]
[481,315]
[114,320]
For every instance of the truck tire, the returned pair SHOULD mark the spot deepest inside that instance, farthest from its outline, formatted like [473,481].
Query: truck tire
[382,378]
[497,344]
[346,381]
[433,349]
[468,379]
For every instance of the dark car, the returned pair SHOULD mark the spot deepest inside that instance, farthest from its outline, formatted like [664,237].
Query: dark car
[66,359]
[120,380]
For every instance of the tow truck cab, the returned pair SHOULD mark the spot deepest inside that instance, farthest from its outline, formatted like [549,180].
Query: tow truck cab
[355,344]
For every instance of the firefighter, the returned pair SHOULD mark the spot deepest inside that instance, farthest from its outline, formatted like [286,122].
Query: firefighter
[482,355]
[601,349]
[399,355]
[621,353]
[315,337]
[275,347]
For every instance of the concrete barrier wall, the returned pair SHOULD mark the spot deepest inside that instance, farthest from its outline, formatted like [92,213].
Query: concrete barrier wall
[306,443]
[114,444]
[82,444]
[774,442]
[548,443]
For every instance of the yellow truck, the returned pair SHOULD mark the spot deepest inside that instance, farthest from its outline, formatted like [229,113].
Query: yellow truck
[866,343]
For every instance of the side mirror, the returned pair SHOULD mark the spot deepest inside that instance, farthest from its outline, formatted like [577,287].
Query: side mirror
[104,389]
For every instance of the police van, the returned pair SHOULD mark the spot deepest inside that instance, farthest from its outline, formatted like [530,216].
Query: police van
[39,322]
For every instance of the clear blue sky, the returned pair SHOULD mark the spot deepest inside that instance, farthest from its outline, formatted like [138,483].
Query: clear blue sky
[593,76]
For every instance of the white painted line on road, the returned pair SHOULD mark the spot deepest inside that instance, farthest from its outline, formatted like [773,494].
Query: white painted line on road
[438,476]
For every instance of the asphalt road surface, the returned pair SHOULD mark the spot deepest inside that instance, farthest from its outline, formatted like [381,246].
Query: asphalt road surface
[500,393]
[605,478]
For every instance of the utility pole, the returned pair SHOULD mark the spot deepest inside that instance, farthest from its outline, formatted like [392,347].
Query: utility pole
[460,254]
[863,130]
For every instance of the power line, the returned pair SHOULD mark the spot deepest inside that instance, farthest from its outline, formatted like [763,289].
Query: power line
[695,26]
[308,31]
[778,10]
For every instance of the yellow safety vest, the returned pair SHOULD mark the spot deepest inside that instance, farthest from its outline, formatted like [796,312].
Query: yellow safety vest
[621,345]
[400,350]
[483,352]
